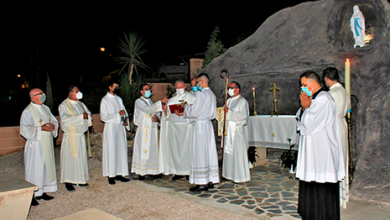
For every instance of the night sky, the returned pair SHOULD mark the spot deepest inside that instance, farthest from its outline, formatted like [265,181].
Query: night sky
[68,36]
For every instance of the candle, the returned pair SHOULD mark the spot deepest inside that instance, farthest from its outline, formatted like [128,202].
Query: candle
[254,101]
[348,77]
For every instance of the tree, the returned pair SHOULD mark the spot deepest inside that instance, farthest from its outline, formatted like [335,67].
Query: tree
[215,47]
[131,49]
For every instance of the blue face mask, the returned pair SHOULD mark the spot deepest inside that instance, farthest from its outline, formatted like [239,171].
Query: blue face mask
[148,94]
[194,88]
[305,89]
[199,88]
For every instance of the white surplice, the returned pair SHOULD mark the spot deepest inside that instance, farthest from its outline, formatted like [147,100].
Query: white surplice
[145,148]
[204,158]
[180,137]
[164,156]
[115,156]
[74,159]
[320,156]
[343,102]
[39,159]
[235,159]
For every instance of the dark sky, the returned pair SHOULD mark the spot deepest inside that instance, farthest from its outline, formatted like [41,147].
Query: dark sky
[69,36]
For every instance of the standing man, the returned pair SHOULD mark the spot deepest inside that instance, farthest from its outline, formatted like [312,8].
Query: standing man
[235,159]
[204,158]
[75,119]
[145,149]
[38,126]
[320,159]
[331,80]
[180,134]
[115,118]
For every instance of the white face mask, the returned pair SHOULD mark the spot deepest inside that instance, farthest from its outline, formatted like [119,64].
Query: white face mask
[180,91]
[231,92]
[79,95]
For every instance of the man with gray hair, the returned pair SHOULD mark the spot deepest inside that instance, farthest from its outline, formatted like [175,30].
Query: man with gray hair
[179,134]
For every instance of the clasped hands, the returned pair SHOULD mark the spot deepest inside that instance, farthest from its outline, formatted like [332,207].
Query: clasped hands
[305,100]
[122,112]
[48,127]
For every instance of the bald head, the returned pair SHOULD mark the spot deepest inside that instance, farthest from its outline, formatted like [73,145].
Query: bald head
[35,95]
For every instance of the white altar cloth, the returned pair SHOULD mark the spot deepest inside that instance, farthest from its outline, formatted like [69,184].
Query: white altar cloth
[272,132]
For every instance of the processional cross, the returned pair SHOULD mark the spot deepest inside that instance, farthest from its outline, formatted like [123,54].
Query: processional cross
[274,89]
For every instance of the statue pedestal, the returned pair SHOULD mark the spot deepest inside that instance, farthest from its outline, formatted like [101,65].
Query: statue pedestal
[15,197]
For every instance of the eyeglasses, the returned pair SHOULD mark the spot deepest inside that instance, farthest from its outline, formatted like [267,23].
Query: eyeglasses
[38,94]
[233,87]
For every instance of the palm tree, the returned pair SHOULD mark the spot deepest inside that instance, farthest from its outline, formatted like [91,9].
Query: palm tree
[130,51]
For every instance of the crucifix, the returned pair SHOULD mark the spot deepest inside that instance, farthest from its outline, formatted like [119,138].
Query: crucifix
[274,89]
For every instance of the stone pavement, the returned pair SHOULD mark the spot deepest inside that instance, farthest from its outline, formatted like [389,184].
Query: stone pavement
[272,191]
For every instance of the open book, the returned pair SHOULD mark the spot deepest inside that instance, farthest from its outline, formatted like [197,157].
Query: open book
[176,107]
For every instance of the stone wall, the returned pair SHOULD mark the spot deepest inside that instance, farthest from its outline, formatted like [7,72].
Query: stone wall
[313,36]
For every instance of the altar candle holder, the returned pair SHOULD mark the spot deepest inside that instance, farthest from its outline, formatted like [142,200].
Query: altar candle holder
[254,102]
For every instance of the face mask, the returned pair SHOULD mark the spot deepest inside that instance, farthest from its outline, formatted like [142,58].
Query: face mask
[148,94]
[194,88]
[305,89]
[231,92]
[117,91]
[199,88]
[43,98]
[79,95]
[180,91]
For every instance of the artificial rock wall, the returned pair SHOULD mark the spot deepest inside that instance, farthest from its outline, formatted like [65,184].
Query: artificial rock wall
[313,36]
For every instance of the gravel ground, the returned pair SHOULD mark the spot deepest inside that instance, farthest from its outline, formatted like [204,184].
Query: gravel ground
[132,200]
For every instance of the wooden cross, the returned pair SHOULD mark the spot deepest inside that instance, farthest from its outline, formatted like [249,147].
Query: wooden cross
[274,89]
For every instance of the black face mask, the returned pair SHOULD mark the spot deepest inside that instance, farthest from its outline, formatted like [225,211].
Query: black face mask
[117,91]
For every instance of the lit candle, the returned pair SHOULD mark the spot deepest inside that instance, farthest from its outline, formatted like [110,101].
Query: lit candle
[253,88]
[348,77]
[254,101]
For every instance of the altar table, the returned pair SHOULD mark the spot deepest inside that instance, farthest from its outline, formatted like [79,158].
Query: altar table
[272,132]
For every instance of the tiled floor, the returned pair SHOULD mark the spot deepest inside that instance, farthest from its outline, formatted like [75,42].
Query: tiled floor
[272,191]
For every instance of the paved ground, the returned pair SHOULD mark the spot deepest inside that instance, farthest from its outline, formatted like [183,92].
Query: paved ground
[272,191]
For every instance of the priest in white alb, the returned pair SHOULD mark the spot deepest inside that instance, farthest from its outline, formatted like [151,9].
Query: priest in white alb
[114,115]
[204,157]
[180,133]
[75,119]
[320,164]
[145,148]
[235,158]
[330,77]
[38,126]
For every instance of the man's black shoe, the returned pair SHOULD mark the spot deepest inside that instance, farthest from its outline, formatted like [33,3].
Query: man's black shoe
[84,185]
[153,177]
[34,202]
[176,177]
[141,177]
[69,187]
[44,197]
[111,180]
[122,179]
[210,185]
[199,188]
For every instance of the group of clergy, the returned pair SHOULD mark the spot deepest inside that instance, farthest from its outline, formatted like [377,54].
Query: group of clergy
[176,137]
[185,146]
[322,167]
[38,126]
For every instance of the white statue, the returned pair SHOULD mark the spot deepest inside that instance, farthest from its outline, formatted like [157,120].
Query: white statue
[358,27]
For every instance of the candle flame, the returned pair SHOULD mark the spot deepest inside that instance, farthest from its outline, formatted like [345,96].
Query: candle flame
[253,88]
[347,60]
